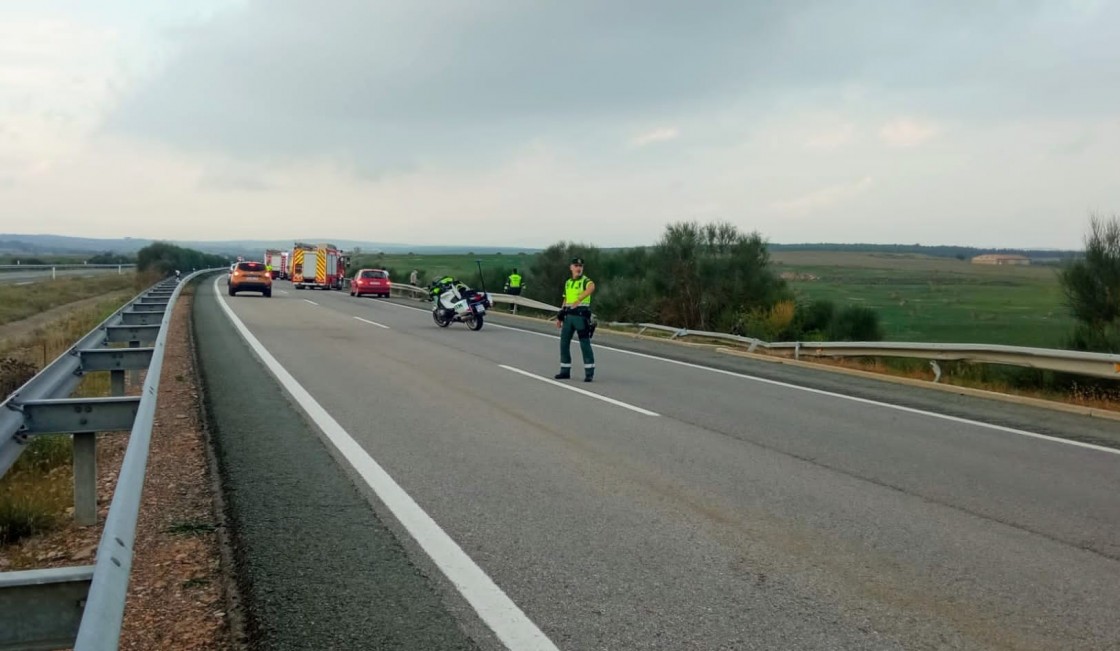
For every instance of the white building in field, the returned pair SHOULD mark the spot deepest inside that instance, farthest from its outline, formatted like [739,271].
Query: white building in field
[1001,259]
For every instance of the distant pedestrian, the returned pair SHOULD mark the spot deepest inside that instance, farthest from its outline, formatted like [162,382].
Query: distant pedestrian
[414,278]
[575,318]
[514,285]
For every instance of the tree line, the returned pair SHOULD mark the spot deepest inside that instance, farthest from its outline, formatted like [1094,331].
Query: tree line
[164,258]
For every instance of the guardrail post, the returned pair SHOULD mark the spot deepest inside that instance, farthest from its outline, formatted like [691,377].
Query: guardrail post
[54,273]
[116,383]
[133,376]
[85,478]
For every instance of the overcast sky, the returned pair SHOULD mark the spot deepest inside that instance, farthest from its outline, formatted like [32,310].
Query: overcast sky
[519,123]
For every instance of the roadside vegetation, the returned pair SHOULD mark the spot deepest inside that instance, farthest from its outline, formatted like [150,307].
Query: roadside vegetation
[37,491]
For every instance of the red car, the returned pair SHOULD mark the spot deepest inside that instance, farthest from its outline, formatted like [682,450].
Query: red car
[370,281]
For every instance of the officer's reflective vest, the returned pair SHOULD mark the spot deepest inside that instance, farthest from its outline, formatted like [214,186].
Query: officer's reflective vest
[573,288]
[514,280]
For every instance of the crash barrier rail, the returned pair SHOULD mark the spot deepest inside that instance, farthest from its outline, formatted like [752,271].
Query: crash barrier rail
[83,606]
[1102,365]
[54,268]
[1067,361]
[74,265]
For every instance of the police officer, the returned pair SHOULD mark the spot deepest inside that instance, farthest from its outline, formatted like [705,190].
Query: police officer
[575,318]
[513,284]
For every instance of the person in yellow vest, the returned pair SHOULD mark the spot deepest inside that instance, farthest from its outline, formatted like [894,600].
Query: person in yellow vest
[575,318]
[514,285]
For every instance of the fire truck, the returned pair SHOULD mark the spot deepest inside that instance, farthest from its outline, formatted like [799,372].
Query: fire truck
[274,258]
[320,266]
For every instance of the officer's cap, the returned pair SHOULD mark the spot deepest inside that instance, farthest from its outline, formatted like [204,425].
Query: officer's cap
[577,260]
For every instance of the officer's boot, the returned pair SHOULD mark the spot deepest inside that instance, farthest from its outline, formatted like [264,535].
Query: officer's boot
[564,374]
[589,376]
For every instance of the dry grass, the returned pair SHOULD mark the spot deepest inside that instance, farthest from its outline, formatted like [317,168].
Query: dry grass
[22,301]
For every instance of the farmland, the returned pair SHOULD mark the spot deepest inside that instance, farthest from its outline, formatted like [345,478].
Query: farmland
[921,298]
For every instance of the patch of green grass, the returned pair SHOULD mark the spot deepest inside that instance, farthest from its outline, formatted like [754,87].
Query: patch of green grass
[22,516]
[191,528]
[36,490]
[45,453]
[195,582]
[947,301]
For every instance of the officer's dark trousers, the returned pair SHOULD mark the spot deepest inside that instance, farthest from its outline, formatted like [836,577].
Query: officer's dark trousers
[576,325]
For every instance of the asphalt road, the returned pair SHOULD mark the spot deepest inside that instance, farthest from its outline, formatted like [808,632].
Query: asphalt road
[716,503]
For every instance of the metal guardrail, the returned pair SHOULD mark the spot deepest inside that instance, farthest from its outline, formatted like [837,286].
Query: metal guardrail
[55,268]
[74,265]
[83,606]
[1102,365]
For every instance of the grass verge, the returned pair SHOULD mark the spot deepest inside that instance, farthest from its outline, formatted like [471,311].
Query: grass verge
[37,490]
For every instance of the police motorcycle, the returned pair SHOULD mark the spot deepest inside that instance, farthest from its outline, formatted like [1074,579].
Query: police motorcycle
[454,302]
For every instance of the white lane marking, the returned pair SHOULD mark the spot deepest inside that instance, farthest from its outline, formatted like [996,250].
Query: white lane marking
[310,301]
[516,631]
[821,392]
[281,291]
[29,282]
[371,322]
[581,391]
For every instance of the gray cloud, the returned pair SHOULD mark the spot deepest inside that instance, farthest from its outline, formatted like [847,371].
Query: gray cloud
[388,85]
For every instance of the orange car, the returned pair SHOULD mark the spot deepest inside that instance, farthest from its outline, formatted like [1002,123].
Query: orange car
[250,277]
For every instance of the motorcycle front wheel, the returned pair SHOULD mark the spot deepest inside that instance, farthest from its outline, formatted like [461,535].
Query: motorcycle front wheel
[475,322]
[441,320]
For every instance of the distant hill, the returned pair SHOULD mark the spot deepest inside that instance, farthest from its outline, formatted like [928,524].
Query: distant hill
[37,244]
[64,245]
[940,251]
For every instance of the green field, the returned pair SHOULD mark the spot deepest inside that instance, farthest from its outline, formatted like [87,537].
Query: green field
[944,300]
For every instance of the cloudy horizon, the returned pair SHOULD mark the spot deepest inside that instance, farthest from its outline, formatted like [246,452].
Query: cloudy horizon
[520,124]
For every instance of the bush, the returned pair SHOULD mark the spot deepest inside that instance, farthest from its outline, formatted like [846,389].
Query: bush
[856,323]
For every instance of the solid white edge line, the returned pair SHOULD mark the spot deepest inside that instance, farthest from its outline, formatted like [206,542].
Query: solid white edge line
[589,394]
[371,322]
[821,392]
[310,301]
[512,626]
